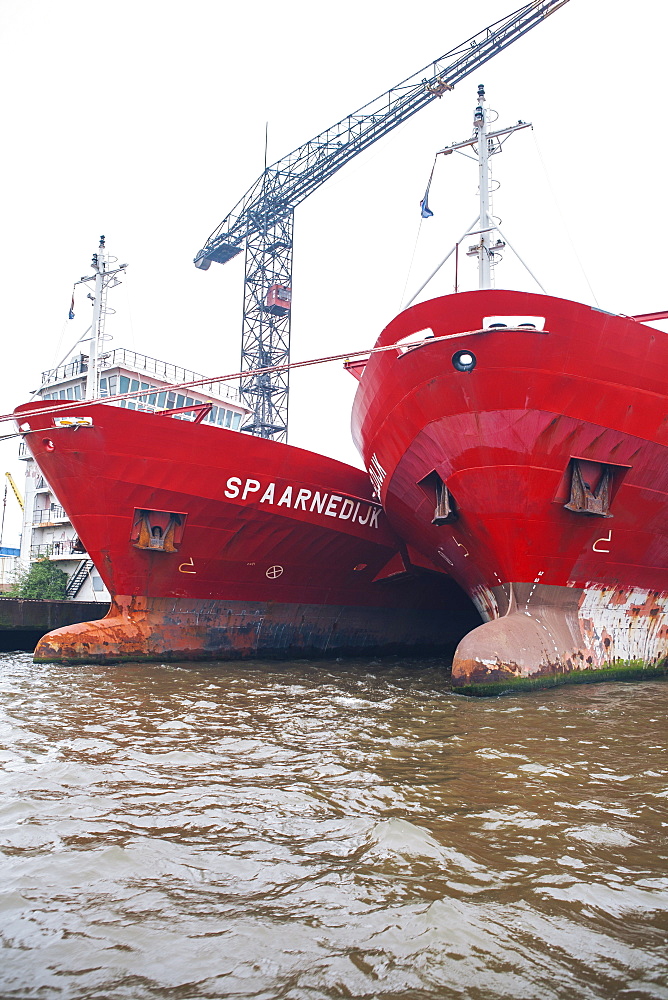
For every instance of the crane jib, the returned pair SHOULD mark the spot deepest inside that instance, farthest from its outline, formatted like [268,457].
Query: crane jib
[261,222]
[344,140]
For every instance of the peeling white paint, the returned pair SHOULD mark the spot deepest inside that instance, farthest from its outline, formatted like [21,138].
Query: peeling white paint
[625,624]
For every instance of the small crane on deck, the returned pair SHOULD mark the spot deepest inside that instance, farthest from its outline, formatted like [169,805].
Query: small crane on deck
[262,221]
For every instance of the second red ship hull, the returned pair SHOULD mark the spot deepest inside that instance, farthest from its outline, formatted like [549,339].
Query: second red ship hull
[546,424]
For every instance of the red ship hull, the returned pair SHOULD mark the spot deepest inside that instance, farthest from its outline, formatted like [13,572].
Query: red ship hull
[215,545]
[513,439]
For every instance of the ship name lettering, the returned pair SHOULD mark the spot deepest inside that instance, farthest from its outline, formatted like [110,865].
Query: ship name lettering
[233,484]
[368,514]
[297,498]
[330,510]
[286,499]
[268,495]
[302,497]
[250,486]
[343,513]
[318,501]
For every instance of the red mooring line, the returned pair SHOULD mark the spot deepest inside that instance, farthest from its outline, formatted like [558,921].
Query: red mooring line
[77,403]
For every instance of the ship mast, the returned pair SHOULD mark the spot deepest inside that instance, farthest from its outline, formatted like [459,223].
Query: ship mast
[484,225]
[105,277]
[97,328]
[484,193]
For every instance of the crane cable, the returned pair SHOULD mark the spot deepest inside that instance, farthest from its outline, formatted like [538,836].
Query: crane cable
[562,216]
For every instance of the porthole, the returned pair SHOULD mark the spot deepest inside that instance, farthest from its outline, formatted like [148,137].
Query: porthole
[464,361]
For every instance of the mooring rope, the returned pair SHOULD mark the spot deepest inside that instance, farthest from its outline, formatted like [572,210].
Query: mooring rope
[57,407]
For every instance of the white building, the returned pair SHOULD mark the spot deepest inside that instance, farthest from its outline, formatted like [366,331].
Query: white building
[47,531]
[9,567]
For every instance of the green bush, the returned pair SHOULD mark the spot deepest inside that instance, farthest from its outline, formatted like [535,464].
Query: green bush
[44,581]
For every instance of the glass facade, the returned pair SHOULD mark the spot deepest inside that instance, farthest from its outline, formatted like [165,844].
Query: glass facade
[156,398]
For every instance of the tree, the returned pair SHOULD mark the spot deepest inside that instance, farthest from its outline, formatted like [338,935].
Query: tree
[44,581]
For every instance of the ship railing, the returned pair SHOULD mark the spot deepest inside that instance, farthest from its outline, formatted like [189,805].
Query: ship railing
[63,372]
[52,513]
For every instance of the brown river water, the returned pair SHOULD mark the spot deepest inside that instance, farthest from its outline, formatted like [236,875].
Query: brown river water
[311,832]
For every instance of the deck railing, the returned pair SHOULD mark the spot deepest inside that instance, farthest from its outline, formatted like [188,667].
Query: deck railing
[172,374]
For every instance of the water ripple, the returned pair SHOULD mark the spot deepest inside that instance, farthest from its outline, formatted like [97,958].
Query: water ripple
[306,831]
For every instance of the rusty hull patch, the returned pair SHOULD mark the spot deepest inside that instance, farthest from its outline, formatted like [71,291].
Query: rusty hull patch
[169,629]
[550,631]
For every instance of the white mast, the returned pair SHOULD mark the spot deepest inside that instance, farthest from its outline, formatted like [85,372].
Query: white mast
[105,276]
[484,225]
[97,328]
[480,125]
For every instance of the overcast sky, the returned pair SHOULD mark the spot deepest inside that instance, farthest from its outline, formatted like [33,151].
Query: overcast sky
[144,120]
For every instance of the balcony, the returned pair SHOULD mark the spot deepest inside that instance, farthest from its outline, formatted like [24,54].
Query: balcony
[69,548]
[49,515]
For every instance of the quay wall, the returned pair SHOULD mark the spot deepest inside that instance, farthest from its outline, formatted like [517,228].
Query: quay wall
[24,622]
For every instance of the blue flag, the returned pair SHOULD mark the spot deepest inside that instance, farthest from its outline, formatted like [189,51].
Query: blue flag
[425,210]
[71,312]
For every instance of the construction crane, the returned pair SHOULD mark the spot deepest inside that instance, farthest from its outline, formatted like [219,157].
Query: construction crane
[262,221]
[15,489]
[4,503]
